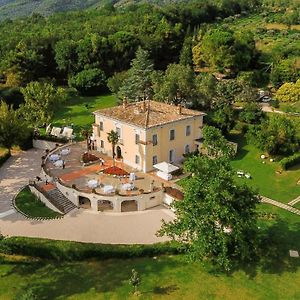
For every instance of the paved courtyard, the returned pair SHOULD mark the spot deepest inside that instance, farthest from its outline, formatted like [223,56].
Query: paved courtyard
[75,173]
[79,225]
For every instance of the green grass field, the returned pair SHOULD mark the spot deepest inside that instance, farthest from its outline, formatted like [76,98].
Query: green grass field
[281,187]
[167,277]
[79,111]
[33,207]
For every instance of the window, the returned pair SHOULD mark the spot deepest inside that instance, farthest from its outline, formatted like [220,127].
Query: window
[101,125]
[171,156]
[154,160]
[172,134]
[188,130]
[101,144]
[154,139]
[187,149]
[118,130]
[137,138]
[137,159]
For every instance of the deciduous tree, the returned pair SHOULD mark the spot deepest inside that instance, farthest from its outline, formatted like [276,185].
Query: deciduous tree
[217,218]
[40,100]
[13,130]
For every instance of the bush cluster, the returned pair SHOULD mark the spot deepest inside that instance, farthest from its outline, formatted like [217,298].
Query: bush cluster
[72,251]
[4,157]
[52,138]
[290,161]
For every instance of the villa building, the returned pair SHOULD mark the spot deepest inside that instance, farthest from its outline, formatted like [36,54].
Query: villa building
[149,132]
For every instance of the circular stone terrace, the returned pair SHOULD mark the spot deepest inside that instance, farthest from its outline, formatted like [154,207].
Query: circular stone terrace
[113,191]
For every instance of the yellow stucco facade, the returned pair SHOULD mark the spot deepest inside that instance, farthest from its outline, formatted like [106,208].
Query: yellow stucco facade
[141,146]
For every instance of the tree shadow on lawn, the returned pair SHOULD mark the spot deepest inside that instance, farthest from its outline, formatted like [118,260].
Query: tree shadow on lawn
[273,254]
[242,142]
[51,280]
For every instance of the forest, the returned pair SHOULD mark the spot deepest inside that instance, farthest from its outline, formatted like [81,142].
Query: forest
[74,48]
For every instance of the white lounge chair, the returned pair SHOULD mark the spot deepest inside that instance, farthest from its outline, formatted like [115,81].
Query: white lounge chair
[56,131]
[68,133]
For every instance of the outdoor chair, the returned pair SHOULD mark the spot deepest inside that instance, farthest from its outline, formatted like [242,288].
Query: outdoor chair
[56,131]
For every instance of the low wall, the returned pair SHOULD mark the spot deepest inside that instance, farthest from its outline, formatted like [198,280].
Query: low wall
[43,199]
[144,201]
[41,144]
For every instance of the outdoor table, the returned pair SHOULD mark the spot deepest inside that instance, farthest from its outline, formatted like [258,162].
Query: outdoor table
[127,187]
[108,189]
[54,157]
[92,183]
[65,151]
[58,163]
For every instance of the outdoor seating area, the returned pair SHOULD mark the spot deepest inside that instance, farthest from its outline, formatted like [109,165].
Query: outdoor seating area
[101,176]
[241,173]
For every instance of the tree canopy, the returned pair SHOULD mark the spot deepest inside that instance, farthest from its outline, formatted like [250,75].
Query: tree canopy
[40,100]
[277,134]
[13,130]
[217,218]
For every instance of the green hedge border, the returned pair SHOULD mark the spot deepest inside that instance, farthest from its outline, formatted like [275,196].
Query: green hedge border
[75,251]
[4,157]
[290,161]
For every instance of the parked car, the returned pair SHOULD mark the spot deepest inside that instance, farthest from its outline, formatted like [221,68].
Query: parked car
[266,99]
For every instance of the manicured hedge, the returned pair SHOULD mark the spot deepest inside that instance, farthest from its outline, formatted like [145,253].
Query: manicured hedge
[51,138]
[4,157]
[71,251]
[290,161]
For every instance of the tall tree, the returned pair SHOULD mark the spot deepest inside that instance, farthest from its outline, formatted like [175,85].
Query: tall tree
[186,55]
[13,130]
[277,134]
[217,218]
[215,143]
[113,138]
[40,101]
[138,85]
[177,85]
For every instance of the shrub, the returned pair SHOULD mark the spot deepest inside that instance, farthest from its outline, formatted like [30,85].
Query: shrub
[52,138]
[71,251]
[290,161]
[4,157]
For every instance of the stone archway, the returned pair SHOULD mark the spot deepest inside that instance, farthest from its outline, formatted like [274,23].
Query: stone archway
[84,202]
[119,152]
[105,205]
[129,205]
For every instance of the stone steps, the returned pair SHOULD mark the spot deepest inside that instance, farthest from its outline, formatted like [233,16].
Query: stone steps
[281,205]
[293,202]
[58,199]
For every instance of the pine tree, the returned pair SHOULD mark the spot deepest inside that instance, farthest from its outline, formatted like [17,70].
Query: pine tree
[138,85]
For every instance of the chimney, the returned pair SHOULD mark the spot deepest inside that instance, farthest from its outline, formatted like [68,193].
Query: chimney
[144,106]
[125,102]
[179,109]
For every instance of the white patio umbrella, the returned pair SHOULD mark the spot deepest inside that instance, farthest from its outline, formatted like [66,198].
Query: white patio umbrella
[165,167]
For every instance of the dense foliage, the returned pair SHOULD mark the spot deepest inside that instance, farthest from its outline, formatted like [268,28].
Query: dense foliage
[71,251]
[217,217]
[277,134]
[290,161]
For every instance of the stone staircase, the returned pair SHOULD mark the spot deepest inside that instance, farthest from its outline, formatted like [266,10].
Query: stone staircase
[59,200]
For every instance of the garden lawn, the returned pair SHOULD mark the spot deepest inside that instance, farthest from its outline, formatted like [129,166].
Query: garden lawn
[164,277]
[281,187]
[79,111]
[32,206]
